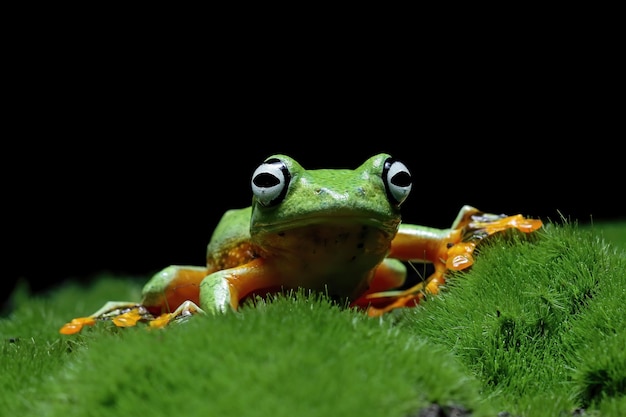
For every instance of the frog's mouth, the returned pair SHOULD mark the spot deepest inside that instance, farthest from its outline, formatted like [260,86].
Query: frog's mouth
[387,227]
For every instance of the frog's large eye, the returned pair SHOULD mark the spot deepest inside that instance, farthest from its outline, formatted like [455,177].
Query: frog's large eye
[270,182]
[397,179]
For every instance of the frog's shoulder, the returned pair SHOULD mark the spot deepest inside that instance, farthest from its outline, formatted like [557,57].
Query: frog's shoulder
[233,227]
[240,215]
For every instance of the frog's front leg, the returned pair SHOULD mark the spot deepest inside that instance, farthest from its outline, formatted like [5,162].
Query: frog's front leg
[223,290]
[446,249]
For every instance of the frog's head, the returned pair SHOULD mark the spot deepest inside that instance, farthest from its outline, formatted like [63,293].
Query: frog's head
[286,196]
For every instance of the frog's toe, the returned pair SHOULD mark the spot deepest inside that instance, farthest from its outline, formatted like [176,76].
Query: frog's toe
[129,318]
[460,256]
[183,312]
[76,325]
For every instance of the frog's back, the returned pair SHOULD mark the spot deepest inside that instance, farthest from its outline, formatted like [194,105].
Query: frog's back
[230,243]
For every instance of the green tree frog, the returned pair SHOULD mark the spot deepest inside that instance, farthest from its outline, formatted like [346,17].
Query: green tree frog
[333,230]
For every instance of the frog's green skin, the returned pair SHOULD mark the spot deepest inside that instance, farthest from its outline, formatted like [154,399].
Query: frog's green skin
[332,230]
[325,230]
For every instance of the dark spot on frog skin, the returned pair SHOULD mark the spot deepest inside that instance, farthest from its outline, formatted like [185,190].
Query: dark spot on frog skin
[342,237]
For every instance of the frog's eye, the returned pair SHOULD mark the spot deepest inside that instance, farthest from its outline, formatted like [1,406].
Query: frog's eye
[270,182]
[397,179]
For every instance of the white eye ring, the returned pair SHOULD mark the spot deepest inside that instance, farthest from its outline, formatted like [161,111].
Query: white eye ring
[270,182]
[397,179]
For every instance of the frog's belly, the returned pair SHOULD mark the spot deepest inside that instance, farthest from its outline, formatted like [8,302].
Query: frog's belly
[338,259]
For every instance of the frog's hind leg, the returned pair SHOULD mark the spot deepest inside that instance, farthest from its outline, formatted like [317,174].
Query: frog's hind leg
[171,293]
[172,286]
[447,249]
[122,313]
[390,274]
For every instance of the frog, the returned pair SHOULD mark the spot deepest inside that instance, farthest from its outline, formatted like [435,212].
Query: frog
[333,231]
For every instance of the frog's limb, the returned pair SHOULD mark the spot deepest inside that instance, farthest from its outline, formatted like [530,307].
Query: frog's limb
[126,311]
[127,314]
[223,290]
[391,273]
[171,287]
[171,293]
[446,249]
[185,310]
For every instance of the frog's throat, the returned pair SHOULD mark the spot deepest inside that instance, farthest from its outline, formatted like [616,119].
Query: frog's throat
[387,226]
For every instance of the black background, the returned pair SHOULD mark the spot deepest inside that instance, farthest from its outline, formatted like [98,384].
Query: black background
[122,156]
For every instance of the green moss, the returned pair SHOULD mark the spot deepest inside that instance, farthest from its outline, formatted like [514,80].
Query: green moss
[539,321]
[302,355]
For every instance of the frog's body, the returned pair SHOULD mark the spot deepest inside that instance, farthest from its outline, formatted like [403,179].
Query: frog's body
[338,231]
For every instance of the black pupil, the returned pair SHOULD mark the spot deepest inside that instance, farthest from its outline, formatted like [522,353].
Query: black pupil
[401,179]
[266,180]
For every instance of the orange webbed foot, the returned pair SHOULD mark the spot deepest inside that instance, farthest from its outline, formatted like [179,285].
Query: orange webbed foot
[121,313]
[478,226]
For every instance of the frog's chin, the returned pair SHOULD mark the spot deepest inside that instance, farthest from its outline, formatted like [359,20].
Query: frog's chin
[337,255]
[388,226]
